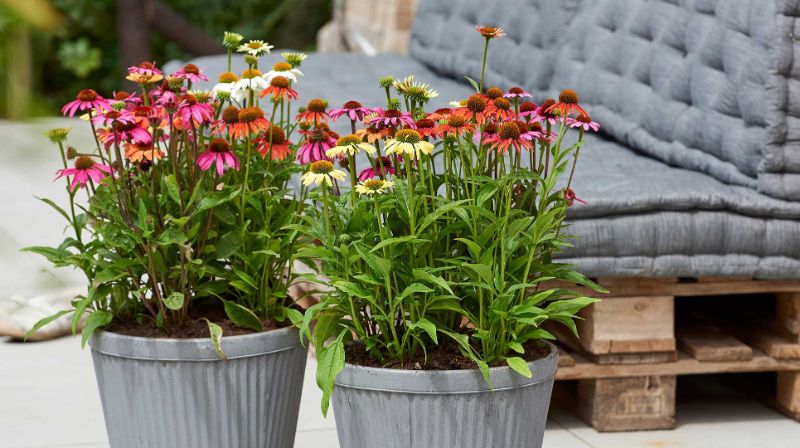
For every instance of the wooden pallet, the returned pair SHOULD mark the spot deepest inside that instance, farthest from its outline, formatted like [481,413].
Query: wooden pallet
[633,346]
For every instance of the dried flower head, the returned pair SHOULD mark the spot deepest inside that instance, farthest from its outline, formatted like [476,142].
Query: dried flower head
[490,32]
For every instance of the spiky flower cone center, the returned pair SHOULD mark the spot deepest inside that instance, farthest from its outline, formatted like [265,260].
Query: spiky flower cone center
[456,121]
[230,115]
[583,118]
[251,73]
[425,123]
[87,95]
[84,163]
[228,77]
[282,67]
[142,111]
[316,106]
[250,114]
[255,45]
[535,127]
[188,100]
[392,113]
[568,96]
[494,92]
[121,95]
[147,65]
[374,184]
[509,130]
[516,91]
[318,135]
[113,115]
[279,82]
[548,103]
[502,103]
[191,69]
[277,135]
[527,106]
[352,105]
[219,145]
[348,140]
[322,167]
[407,136]
[490,128]
[476,103]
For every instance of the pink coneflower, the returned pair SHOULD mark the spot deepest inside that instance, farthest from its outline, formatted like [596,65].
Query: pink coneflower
[509,135]
[427,128]
[229,118]
[517,92]
[542,136]
[528,110]
[391,119]
[316,143]
[191,73]
[218,152]
[144,73]
[372,134]
[251,120]
[129,99]
[314,113]
[570,197]
[490,32]
[474,109]
[279,88]
[124,133]
[545,113]
[353,109]
[500,109]
[567,105]
[147,116]
[86,100]
[114,118]
[278,148]
[190,110]
[456,126]
[85,169]
[585,122]
[488,131]
[376,171]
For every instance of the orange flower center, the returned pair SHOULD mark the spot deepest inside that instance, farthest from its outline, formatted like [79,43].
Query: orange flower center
[251,73]
[219,145]
[316,105]
[322,167]
[509,130]
[250,114]
[522,126]
[84,163]
[282,67]
[147,65]
[502,103]
[228,77]
[548,103]
[374,184]
[141,111]
[191,100]
[230,115]
[456,121]
[583,118]
[407,136]
[87,95]
[425,123]
[535,127]
[277,135]
[494,92]
[348,140]
[191,68]
[527,106]
[279,82]
[476,103]
[568,96]
[392,113]
[121,95]
[351,105]
[318,135]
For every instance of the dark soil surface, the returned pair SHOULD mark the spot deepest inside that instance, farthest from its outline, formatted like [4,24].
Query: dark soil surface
[195,327]
[444,357]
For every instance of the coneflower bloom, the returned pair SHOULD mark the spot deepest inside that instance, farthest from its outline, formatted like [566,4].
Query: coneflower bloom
[509,135]
[570,197]
[383,167]
[314,113]
[190,110]
[223,89]
[391,118]
[274,143]
[121,133]
[86,100]
[545,112]
[441,114]
[408,143]
[426,127]
[456,126]
[191,73]
[147,116]
[474,108]
[494,92]
[294,58]
[317,142]
[114,118]
[129,99]
[251,120]
[349,145]
[583,121]
[229,117]
[517,92]
[353,109]
[279,88]
[144,73]
[136,152]
[500,109]
[283,69]
[218,152]
[528,110]
[84,170]
[490,32]
[322,172]
[251,80]
[372,134]
[255,48]
[374,186]
[488,131]
[567,105]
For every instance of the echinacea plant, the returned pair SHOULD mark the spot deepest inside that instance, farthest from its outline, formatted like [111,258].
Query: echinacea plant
[449,236]
[188,203]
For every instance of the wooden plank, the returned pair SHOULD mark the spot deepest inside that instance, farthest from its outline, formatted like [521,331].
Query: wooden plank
[773,344]
[564,358]
[709,343]
[788,393]
[686,365]
[628,404]
[628,325]
[657,287]
[787,313]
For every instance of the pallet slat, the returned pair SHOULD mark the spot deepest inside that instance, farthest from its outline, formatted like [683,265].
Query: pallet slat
[709,343]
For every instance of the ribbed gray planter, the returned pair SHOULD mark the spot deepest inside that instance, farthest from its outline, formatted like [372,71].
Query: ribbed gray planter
[177,393]
[390,408]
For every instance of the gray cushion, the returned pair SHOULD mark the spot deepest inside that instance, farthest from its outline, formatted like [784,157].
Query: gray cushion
[705,85]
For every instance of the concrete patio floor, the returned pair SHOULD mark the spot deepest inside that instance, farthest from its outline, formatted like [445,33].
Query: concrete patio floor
[48,396]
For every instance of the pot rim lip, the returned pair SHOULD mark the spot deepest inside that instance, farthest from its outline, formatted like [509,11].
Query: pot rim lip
[470,381]
[194,349]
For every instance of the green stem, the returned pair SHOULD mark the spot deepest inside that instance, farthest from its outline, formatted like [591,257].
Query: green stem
[483,64]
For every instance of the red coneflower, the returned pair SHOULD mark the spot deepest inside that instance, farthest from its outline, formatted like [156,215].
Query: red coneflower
[474,108]
[86,100]
[440,114]
[376,171]
[567,105]
[230,116]
[191,73]
[500,109]
[528,110]
[427,127]
[251,120]
[315,112]
[274,143]
[509,135]
[545,113]
[494,92]
[456,126]
[279,88]
[490,32]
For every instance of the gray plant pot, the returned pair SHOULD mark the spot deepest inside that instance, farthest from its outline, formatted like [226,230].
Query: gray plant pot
[177,393]
[390,408]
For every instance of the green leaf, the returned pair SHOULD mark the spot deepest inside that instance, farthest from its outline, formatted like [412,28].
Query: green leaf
[516,346]
[171,235]
[474,248]
[420,274]
[473,83]
[97,319]
[215,331]
[484,370]
[174,301]
[42,322]
[171,185]
[352,289]
[242,316]
[414,288]
[55,207]
[330,361]
[397,240]
[217,198]
[484,271]
[229,244]
[428,327]
[295,316]
[520,366]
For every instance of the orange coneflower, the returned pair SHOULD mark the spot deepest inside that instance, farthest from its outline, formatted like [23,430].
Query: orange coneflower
[427,127]
[509,135]
[500,109]
[279,88]
[136,152]
[373,134]
[230,116]
[456,125]
[251,120]
[474,108]
[490,32]
[315,112]
[567,105]
[274,143]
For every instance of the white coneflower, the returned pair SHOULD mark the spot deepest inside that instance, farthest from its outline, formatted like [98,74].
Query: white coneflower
[255,48]
[322,172]
[349,145]
[251,81]
[374,186]
[223,89]
[284,69]
[408,143]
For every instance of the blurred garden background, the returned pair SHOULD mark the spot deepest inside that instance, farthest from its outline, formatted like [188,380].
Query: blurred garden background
[50,49]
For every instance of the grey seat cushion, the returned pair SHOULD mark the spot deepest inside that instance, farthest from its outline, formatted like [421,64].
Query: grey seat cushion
[644,218]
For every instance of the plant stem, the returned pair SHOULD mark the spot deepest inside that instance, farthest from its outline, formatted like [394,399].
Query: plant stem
[483,64]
